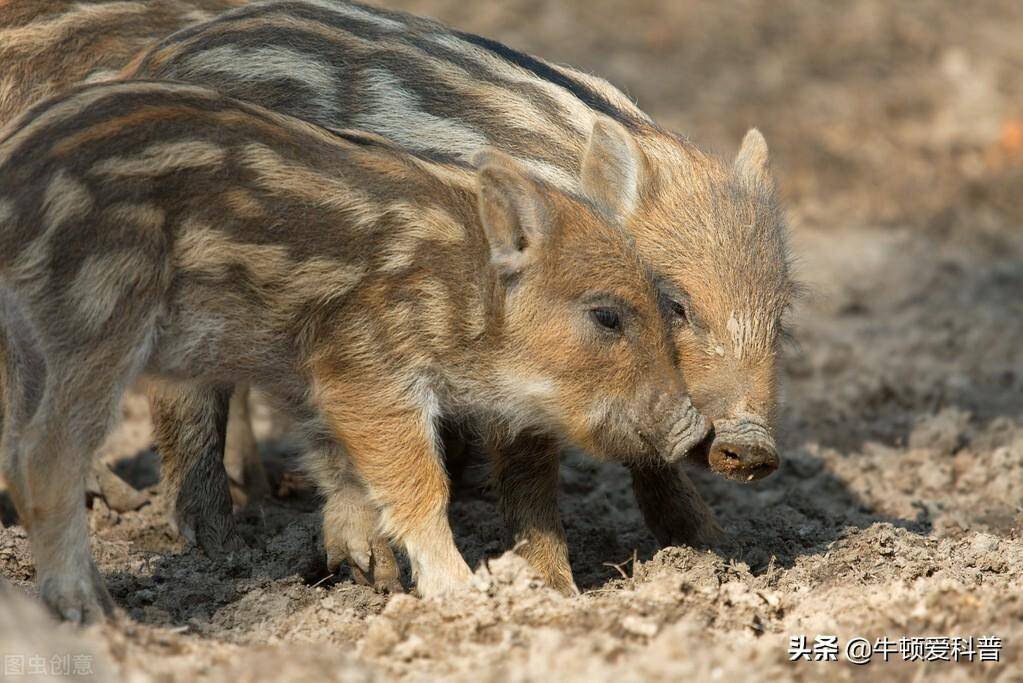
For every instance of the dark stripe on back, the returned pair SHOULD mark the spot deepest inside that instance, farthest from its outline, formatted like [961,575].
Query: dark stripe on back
[120,98]
[349,65]
[587,96]
[370,141]
[416,28]
[298,10]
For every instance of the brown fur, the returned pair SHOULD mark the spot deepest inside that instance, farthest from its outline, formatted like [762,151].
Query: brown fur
[712,232]
[48,46]
[520,309]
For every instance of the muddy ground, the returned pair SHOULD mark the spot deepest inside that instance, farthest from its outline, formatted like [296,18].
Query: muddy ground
[896,132]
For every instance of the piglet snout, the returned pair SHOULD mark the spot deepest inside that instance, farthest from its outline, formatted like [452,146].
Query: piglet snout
[743,449]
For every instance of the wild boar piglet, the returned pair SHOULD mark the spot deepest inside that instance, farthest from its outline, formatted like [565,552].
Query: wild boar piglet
[712,230]
[161,228]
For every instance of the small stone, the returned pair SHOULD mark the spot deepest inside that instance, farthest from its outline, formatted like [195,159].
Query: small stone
[639,627]
[984,543]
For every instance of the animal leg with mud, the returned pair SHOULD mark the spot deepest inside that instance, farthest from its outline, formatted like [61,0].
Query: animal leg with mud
[351,524]
[391,439]
[189,425]
[525,475]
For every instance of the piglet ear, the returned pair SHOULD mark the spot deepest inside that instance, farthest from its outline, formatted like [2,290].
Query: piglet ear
[613,168]
[751,162]
[513,209]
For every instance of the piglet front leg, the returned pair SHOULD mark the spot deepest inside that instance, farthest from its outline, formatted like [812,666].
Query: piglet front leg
[390,436]
[672,507]
[525,472]
[351,523]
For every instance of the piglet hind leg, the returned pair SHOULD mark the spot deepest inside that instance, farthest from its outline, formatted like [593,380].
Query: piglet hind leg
[351,524]
[390,438]
[244,467]
[189,424]
[118,494]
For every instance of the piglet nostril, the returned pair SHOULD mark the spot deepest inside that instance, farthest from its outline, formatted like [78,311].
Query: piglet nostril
[730,455]
[742,462]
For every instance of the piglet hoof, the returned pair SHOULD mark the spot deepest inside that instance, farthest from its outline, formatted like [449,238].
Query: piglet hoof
[383,575]
[436,584]
[372,563]
[78,599]
[553,567]
[564,585]
[218,544]
[213,533]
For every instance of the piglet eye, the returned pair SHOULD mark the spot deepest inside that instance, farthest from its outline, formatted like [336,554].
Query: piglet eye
[606,318]
[679,311]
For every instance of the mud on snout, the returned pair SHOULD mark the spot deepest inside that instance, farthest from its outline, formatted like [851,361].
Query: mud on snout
[739,448]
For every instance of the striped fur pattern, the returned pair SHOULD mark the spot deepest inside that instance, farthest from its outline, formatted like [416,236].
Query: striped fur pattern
[47,46]
[712,232]
[415,81]
[160,228]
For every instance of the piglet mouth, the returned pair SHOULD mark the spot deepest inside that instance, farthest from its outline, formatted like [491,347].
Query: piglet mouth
[732,465]
[688,430]
[700,453]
